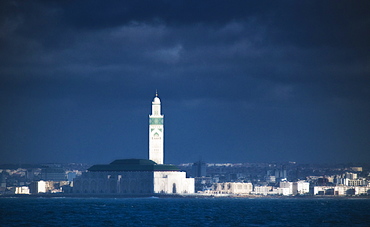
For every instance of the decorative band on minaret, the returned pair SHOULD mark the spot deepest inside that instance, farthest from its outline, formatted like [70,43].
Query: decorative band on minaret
[156,132]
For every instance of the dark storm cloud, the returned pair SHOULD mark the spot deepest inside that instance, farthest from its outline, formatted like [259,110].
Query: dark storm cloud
[272,67]
[99,14]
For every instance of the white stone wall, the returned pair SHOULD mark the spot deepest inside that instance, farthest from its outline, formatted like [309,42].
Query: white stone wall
[173,182]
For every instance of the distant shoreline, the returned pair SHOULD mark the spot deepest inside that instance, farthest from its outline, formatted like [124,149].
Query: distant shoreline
[70,195]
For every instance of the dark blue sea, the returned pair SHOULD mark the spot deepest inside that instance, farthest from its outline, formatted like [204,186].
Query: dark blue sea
[183,212]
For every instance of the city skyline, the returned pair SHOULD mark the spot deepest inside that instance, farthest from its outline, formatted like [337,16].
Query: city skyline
[238,81]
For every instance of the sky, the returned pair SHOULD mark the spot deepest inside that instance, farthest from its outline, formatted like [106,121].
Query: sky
[239,81]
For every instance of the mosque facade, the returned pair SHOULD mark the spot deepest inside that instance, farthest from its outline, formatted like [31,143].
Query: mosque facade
[138,176]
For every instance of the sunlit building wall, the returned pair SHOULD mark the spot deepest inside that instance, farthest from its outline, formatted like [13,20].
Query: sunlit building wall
[288,185]
[22,190]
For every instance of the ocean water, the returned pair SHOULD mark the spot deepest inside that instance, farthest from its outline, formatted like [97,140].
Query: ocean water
[183,212]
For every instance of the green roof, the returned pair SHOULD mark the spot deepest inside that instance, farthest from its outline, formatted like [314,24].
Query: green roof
[133,161]
[132,165]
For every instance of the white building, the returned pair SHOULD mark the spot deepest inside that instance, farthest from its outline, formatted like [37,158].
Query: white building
[22,190]
[289,187]
[47,186]
[172,182]
[156,132]
[301,187]
[351,182]
[352,176]
[133,176]
[294,188]
[281,191]
[138,176]
[285,188]
[341,190]
[262,190]
[237,188]
[38,187]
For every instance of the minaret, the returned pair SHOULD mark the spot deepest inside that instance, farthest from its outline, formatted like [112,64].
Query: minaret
[156,132]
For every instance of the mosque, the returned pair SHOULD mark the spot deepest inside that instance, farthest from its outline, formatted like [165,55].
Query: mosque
[138,176]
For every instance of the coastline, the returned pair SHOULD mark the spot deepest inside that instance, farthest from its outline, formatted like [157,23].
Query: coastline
[71,195]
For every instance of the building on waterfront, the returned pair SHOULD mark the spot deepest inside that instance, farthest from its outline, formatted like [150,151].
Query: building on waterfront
[138,176]
[270,190]
[349,179]
[235,188]
[295,188]
[301,188]
[38,187]
[262,190]
[285,188]
[22,190]
[288,185]
[350,182]
[133,176]
[47,186]
[341,190]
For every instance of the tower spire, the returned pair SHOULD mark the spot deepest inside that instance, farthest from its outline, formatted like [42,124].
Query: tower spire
[156,93]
